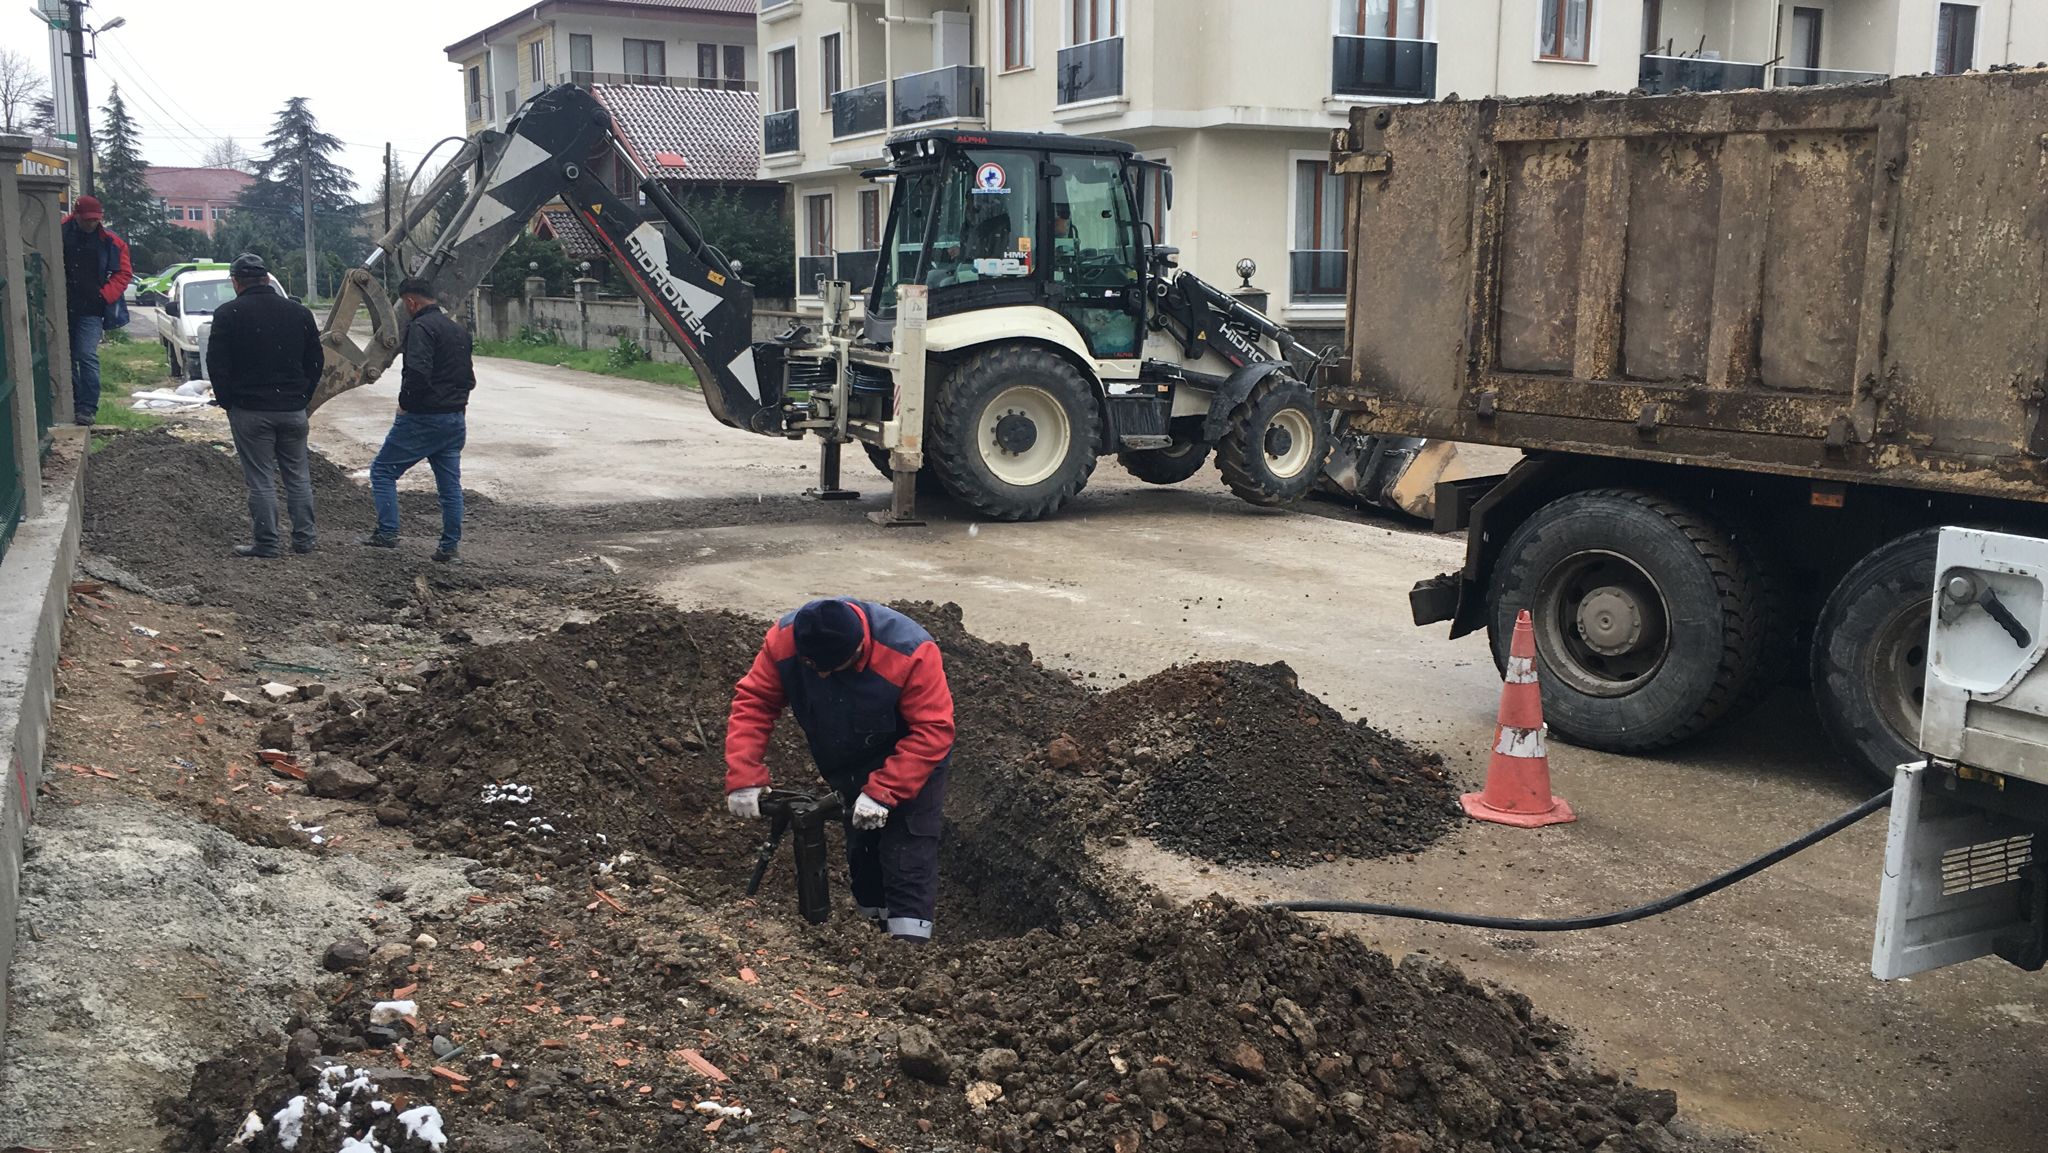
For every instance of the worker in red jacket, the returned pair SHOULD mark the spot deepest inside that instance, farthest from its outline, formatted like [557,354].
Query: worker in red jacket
[869,688]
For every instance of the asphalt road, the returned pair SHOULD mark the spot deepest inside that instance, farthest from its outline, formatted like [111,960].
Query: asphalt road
[1756,1005]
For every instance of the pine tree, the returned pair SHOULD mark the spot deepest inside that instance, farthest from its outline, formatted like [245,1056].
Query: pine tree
[133,209]
[269,218]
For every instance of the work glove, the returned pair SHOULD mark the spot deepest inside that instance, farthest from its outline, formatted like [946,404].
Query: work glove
[744,804]
[869,813]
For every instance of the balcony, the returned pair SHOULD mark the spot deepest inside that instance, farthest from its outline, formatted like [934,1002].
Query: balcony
[858,268]
[1093,71]
[1664,74]
[586,79]
[1383,68]
[941,94]
[1787,77]
[1315,274]
[859,111]
[779,133]
[812,269]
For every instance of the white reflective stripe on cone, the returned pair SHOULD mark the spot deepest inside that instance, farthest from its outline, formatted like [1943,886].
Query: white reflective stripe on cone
[910,927]
[1521,671]
[1519,742]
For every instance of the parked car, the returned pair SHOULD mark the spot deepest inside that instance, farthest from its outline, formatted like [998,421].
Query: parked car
[154,289]
[188,318]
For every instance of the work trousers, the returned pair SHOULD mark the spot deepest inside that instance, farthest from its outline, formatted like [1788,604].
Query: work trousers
[270,443]
[895,869]
[85,365]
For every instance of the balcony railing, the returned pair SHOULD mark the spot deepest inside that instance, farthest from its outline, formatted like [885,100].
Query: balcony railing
[1662,74]
[480,108]
[812,269]
[941,94]
[859,111]
[858,268]
[1093,71]
[1384,67]
[586,79]
[1785,76]
[1316,274]
[779,134]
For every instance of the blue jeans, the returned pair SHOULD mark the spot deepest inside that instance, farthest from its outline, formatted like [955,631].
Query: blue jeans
[437,438]
[85,365]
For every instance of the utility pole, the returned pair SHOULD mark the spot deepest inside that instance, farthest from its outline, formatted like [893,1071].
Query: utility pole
[74,17]
[306,205]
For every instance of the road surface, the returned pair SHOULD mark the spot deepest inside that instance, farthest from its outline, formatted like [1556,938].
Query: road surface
[1756,1005]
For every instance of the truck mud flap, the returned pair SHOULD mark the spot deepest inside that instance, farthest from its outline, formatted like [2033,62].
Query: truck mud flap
[1436,599]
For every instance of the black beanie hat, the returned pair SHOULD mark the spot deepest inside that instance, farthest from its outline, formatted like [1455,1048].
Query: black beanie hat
[828,633]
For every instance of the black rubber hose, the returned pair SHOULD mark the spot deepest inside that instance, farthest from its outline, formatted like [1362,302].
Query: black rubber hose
[1601,921]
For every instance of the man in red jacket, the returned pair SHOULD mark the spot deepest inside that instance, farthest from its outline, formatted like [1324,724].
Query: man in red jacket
[868,686]
[96,273]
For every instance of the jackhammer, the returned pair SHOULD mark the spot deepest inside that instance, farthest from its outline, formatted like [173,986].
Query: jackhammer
[808,815]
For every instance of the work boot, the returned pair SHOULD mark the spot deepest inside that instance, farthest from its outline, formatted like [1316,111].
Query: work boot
[447,556]
[84,419]
[258,551]
[302,549]
[381,540]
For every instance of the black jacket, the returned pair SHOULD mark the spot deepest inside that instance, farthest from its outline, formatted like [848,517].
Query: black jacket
[265,352]
[439,373]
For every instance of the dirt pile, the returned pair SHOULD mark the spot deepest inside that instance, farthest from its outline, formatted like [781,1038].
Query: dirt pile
[1235,763]
[163,514]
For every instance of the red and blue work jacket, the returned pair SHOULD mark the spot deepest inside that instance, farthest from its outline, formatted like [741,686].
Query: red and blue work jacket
[881,727]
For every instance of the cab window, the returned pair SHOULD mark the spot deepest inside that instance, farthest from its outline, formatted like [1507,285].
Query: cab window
[987,219]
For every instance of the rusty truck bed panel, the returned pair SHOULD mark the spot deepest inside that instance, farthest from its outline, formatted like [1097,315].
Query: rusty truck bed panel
[1844,283]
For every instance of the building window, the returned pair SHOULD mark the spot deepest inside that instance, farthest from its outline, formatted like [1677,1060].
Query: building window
[736,67]
[1016,34]
[707,65]
[1152,206]
[819,260]
[476,85]
[1567,32]
[536,62]
[1653,27]
[220,213]
[829,66]
[646,61]
[582,59]
[1394,19]
[871,220]
[1316,264]
[1095,20]
[782,76]
[1955,39]
[1804,50]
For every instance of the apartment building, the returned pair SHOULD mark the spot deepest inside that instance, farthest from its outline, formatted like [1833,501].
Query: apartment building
[197,198]
[674,43]
[1239,96]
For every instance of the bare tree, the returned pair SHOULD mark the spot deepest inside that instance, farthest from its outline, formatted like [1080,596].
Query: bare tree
[21,86]
[227,152]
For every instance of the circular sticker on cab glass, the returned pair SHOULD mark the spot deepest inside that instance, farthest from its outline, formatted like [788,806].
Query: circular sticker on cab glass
[990,178]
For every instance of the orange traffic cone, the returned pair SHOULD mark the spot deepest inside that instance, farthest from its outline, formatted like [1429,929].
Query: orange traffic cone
[1518,777]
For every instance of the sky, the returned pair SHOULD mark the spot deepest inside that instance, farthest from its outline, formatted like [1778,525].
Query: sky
[192,71]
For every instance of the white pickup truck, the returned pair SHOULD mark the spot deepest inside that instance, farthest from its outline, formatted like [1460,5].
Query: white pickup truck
[1963,874]
[188,318]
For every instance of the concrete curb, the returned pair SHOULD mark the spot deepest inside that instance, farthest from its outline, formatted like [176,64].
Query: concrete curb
[35,582]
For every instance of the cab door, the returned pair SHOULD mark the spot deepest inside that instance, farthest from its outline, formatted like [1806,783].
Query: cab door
[1093,245]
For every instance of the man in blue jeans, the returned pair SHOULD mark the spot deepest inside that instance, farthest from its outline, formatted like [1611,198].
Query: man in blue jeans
[96,273]
[433,395]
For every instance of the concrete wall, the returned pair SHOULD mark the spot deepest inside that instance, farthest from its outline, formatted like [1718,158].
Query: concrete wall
[600,323]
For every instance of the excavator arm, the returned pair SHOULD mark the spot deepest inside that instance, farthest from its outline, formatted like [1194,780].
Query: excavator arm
[556,147]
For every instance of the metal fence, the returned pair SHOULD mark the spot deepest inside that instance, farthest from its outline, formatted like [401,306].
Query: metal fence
[39,350]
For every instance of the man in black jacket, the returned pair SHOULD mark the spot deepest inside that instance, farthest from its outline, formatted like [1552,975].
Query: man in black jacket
[433,397]
[264,361]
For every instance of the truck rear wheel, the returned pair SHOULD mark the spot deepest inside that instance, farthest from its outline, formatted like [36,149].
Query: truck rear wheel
[1651,622]
[1870,654]
[1171,465]
[1276,444]
[1014,432]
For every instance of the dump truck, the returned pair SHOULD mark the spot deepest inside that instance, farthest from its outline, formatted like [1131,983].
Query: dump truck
[1756,347]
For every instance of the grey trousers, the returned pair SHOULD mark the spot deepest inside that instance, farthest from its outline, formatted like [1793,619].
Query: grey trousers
[270,443]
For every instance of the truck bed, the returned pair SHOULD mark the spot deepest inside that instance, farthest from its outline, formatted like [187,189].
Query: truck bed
[1845,283]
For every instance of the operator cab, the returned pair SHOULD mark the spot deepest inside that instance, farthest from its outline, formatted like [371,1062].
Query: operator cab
[998,219]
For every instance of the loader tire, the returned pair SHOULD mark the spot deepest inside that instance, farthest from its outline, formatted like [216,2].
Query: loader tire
[1274,449]
[1170,465]
[1653,623]
[1870,654]
[927,482]
[1013,433]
